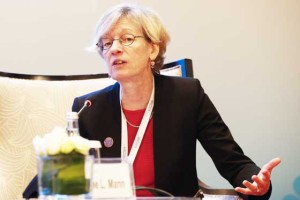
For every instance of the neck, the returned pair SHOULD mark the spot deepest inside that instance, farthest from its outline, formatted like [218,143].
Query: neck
[135,95]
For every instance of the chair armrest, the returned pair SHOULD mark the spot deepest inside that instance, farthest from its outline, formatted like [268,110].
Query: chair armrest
[216,191]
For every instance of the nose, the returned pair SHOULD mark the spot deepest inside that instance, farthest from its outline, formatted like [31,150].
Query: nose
[116,46]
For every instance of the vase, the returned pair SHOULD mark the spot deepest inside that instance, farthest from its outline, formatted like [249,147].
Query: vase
[64,176]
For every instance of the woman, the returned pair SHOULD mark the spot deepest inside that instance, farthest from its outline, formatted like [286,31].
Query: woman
[132,41]
[141,116]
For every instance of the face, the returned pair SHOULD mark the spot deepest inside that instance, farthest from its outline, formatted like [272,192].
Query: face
[129,62]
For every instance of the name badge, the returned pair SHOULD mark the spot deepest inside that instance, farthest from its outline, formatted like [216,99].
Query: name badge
[112,178]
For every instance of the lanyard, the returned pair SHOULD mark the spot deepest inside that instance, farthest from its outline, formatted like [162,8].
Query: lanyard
[140,133]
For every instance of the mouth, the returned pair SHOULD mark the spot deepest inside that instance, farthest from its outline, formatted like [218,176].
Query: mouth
[118,62]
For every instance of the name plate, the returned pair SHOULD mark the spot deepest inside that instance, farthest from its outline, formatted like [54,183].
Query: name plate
[112,178]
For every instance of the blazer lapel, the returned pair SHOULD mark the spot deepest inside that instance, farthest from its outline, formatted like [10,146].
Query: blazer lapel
[160,116]
[109,125]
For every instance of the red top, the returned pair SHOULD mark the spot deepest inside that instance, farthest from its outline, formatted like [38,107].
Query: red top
[143,166]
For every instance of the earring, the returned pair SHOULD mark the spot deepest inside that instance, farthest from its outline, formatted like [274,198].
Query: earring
[152,63]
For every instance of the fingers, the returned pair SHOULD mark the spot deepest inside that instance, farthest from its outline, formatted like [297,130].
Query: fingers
[249,190]
[250,186]
[271,164]
[260,185]
[261,182]
[265,175]
[245,191]
[253,188]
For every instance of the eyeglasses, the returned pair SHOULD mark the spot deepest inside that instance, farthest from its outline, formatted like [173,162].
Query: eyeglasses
[126,40]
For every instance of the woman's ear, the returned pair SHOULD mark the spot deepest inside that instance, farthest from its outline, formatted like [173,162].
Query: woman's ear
[154,51]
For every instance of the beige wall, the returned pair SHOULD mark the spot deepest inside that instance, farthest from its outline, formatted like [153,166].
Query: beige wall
[245,53]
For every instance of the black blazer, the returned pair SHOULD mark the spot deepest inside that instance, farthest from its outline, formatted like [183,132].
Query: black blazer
[183,114]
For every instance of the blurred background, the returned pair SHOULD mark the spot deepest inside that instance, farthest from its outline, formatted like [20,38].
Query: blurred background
[246,54]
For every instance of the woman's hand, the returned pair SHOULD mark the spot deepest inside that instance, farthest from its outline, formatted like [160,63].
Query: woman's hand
[261,182]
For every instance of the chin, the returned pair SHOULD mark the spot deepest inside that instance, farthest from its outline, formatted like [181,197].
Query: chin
[118,77]
[124,75]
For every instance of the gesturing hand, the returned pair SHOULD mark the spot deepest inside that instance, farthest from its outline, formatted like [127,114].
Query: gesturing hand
[261,182]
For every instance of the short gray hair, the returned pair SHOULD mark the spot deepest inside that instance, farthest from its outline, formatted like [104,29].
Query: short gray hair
[150,22]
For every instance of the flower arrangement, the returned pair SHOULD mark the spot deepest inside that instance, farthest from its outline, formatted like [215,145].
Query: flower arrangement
[58,142]
[62,166]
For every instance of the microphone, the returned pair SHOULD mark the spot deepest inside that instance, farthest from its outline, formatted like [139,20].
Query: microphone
[87,104]
[95,145]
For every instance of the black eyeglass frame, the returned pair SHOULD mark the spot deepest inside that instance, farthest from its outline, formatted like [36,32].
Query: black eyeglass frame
[120,40]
